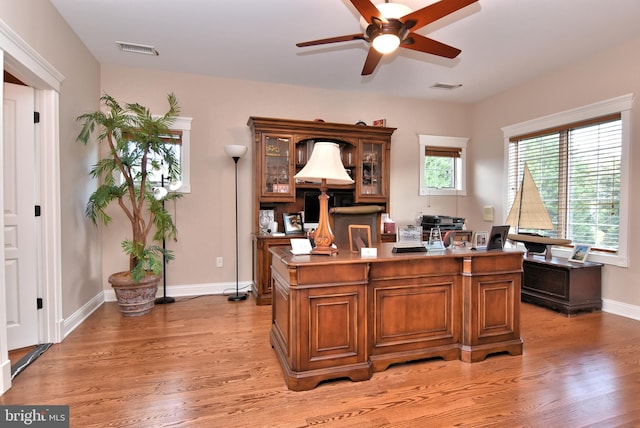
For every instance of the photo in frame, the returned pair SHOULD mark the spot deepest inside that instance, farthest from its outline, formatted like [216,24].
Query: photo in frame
[580,253]
[480,240]
[497,237]
[292,223]
[359,237]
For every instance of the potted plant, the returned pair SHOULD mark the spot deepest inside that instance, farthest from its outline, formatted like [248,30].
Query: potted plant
[136,148]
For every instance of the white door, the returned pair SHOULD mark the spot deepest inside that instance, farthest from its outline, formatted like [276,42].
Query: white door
[20,255]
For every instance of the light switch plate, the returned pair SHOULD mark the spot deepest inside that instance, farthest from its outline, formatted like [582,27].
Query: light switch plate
[487,213]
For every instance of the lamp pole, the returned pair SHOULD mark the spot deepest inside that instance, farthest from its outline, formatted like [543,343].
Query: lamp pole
[236,152]
[164,298]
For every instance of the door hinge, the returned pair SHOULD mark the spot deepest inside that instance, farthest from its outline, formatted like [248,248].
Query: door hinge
[37,210]
[36,117]
[39,304]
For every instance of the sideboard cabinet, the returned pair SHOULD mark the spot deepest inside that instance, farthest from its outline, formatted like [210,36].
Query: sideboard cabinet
[281,148]
[565,286]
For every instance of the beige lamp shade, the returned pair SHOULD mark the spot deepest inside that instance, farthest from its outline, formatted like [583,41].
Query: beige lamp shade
[325,163]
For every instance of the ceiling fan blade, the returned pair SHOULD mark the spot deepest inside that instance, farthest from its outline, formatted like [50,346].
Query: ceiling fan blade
[433,12]
[430,46]
[368,10]
[370,64]
[347,38]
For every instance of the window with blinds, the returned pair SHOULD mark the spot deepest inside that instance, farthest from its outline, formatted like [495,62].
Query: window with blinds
[577,169]
[442,166]
[177,141]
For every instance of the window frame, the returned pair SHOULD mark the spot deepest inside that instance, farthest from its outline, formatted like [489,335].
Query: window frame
[183,125]
[621,105]
[460,165]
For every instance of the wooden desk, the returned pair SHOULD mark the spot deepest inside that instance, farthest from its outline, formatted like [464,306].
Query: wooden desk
[349,316]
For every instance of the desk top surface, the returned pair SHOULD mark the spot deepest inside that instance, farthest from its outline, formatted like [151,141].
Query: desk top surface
[384,254]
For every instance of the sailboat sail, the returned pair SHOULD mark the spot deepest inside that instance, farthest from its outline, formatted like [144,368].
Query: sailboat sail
[528,210]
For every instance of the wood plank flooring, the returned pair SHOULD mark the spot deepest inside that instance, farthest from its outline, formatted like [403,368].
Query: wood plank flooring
[207,362]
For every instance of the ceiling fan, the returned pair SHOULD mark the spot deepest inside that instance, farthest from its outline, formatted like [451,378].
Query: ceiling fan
[387,30]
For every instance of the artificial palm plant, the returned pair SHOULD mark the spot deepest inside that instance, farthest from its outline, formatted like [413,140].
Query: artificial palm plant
[136,147]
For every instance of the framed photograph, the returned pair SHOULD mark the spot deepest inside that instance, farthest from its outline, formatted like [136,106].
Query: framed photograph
[497,237]
[267,217]
[579,253]
[292,223]
[359,237]
[480,240]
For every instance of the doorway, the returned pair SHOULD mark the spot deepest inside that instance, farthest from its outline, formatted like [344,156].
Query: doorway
[26,64]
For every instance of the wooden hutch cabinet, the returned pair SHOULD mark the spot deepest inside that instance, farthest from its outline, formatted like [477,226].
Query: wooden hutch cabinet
[281,149]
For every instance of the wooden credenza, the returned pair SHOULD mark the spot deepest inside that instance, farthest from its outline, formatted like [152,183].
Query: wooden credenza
[350,316]
[568,287]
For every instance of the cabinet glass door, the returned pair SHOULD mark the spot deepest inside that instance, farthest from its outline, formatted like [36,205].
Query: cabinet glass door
[278,168]
[371,182]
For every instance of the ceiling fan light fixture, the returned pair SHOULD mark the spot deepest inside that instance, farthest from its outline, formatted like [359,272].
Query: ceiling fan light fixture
[389,10]
[386,43]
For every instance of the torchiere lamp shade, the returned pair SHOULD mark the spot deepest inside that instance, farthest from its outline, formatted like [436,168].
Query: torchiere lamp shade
[324,167]
[235,150]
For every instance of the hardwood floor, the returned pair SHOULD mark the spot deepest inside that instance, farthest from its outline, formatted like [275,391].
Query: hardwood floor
[207,362]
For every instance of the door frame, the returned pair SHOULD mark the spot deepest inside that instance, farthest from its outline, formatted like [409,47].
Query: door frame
[25,63]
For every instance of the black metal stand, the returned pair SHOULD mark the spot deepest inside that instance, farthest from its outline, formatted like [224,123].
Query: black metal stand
[238,296]
[164,298]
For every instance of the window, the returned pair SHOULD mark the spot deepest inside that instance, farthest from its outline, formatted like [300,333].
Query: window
[579,169]
[177,141]
[442,165]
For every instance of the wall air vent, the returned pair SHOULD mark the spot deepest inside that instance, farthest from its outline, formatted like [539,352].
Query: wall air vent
[137,48]
[449,86]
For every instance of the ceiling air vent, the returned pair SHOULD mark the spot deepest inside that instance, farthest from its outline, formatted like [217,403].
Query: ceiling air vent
[446,85]
[136,48]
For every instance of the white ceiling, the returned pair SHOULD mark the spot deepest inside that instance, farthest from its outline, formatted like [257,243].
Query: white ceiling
[503,42]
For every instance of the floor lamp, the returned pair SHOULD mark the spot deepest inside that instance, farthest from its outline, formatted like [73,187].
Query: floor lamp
[324,167]
[160,193]
[236,152]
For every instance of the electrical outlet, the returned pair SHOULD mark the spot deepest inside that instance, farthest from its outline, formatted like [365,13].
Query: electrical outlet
[218,261]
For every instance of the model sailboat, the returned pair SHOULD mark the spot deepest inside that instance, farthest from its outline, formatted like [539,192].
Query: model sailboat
[528,212]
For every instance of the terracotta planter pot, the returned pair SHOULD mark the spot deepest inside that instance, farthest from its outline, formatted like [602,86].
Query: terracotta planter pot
[135,299]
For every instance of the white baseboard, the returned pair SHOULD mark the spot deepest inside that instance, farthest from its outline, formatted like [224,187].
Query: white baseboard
[192,290]
[5,378]
[622,309]
[70,324]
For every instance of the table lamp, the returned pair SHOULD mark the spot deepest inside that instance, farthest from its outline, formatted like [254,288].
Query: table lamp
[324,167]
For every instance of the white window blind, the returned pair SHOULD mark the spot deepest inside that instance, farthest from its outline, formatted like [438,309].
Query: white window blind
[577,169]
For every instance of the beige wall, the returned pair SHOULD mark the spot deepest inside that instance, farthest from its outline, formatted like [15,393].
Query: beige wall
[220,109]
[38,23]
[608,75]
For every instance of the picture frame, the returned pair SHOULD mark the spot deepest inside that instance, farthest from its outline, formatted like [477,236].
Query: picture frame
[292,223]
[580,253]
[480,240]
[359,237]
[497,237]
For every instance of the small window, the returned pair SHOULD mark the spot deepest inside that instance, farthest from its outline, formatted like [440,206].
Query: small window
[177,141]
[442,165]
